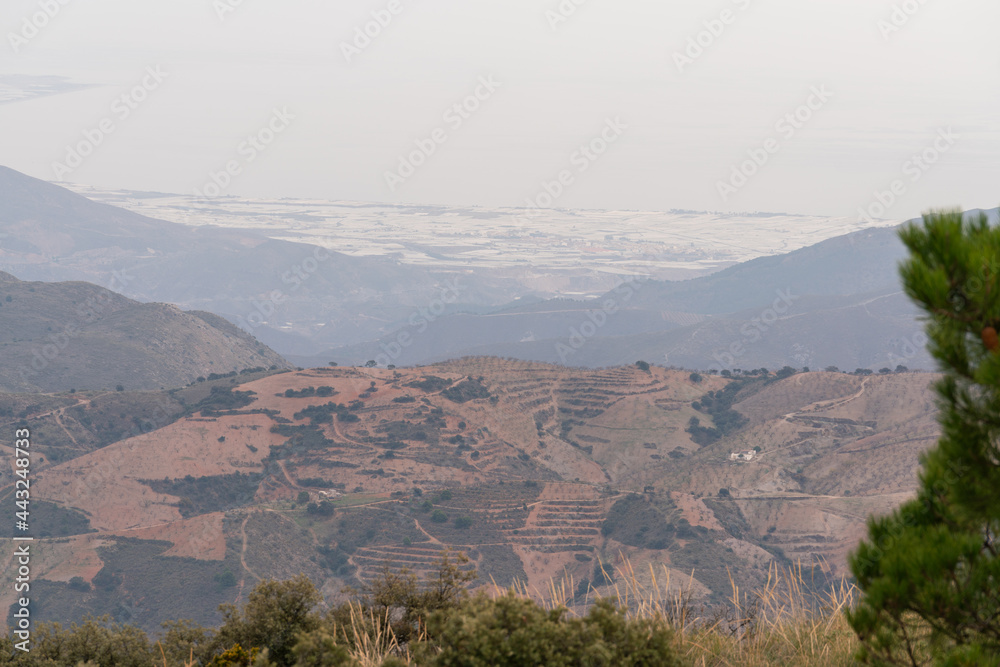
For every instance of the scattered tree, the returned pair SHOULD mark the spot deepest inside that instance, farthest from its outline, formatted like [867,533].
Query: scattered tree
[79,584]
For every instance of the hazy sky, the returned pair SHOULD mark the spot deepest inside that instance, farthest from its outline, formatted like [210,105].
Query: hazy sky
[886,79]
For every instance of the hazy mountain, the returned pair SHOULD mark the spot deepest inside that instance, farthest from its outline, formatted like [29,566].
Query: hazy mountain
[833,303]
[838,302]
[867,331]
[74,335]
[298,297]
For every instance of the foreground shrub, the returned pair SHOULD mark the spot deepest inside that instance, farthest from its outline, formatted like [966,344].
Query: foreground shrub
[397,622]
[319,649]
[96,642]
[275,614]
[512,631]
[394,607]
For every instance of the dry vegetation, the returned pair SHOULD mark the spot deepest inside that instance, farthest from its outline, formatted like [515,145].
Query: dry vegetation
[781,624]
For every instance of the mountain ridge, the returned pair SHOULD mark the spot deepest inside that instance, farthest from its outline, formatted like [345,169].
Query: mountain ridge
[75,335]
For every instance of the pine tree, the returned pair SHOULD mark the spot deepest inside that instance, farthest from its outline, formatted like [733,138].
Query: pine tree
[930,571]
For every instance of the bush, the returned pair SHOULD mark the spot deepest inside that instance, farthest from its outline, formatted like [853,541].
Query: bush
[468,390]
[430,383]
[397,596]
[225,579]
[275,612]
[94,642]
[320,649]
[510,631]
[439,517]
[322,508]
[79,584]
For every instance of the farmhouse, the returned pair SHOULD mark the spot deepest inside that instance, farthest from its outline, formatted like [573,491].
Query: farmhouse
[743,456]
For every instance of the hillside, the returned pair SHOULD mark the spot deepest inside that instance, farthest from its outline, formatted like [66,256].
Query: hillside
[541,473]
[75,335]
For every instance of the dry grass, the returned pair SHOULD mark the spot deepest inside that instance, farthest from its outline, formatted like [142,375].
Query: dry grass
[782,624]
[373,638]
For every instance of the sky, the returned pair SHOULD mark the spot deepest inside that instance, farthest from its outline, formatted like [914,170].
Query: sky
[824,107]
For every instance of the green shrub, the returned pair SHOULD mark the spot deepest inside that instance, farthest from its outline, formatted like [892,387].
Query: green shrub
[398,598]
[95,641]
[79,584]
[275,613]
[511,631]
[319,649]
[469,390]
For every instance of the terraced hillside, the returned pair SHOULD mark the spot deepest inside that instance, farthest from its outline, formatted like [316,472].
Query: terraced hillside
[539,473]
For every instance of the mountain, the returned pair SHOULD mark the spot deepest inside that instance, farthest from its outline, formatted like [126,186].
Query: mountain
[871,330]
[838,302]
[298,297]
[540,473]
[75,335]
